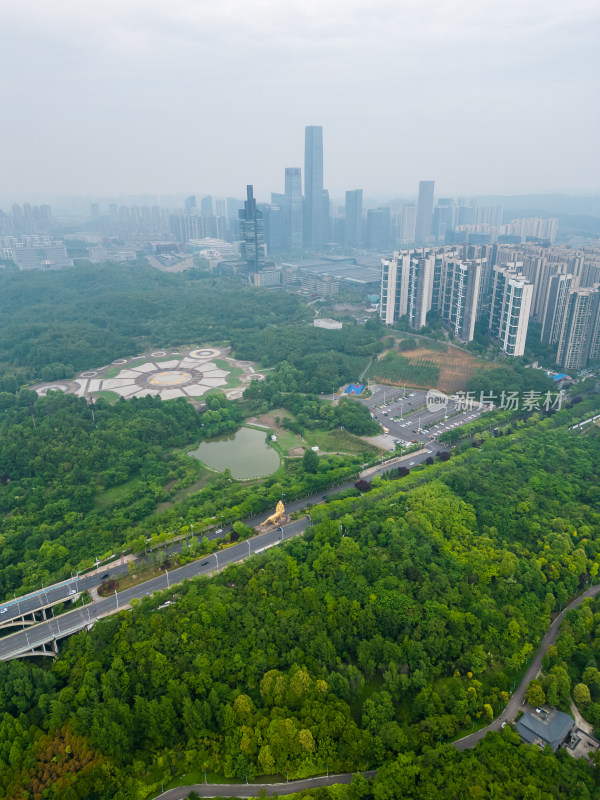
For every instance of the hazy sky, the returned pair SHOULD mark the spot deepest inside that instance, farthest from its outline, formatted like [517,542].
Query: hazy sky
[160,96]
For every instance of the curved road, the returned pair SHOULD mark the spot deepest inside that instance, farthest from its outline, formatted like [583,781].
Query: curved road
[516,700]
[255,789]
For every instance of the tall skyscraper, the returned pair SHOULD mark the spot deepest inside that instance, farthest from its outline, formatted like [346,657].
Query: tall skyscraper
[509,314]
[424,212]
[190,204]
[206,206]
[378,228]
[313,186]
[444,219]
[353,218]
[408,228]
[252,233]
[293,217]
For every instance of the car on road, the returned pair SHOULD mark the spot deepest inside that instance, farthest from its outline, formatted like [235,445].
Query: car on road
[3,610]
[104,577]
[411,464]
[219,530]
[71,592]
[204,563]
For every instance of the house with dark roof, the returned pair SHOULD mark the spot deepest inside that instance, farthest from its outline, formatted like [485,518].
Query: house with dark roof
[545,726]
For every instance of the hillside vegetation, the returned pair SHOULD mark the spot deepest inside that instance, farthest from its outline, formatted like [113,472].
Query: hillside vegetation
[401,620]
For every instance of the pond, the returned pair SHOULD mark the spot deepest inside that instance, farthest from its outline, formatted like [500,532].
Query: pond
[245,453]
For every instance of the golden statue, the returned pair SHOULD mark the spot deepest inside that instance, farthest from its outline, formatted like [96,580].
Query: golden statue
[275,518]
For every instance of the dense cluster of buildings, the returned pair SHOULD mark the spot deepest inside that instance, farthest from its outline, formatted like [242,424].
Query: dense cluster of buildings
[452,258]
[504,287]
[25,219]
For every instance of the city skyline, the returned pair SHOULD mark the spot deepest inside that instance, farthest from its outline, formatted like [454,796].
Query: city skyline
[119,78]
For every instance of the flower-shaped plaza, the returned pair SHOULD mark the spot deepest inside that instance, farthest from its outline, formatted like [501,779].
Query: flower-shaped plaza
[169,374]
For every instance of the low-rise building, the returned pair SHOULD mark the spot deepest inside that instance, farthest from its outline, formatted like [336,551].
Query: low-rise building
[545,726]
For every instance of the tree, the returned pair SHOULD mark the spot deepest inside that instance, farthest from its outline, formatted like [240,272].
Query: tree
[581,694]
[362,485]
[310,461]
[535,694]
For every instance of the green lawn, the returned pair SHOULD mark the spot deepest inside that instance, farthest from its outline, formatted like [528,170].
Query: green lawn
[395,368]
[109,496]
[114,369]
[107,395]
[287,440]
[112,372]
[339,441]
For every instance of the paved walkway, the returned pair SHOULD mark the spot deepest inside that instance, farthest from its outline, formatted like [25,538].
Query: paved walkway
[580,722]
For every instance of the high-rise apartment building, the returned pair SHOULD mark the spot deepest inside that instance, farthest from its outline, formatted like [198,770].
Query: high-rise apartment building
[509,312]
[353,218]
[313,187]
[406,286]
[252,233]
[579,340]
[559,287]
[190,204]
[293,212]
[458,296]
[424,212]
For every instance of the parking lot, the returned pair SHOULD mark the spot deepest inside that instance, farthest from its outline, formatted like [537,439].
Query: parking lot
[404,412]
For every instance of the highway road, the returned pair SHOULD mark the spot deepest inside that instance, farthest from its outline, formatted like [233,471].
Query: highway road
[87,615]
[71,589]
[14,644]
[411,404]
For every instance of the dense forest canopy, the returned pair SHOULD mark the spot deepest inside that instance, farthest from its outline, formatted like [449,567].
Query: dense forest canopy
[55,323]
[396,623]
[326,359]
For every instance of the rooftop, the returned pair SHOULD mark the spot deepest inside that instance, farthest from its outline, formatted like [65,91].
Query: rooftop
[546,726]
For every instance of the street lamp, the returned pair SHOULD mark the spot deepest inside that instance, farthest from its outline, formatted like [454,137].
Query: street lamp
[117,598]
[167,574]
[249,550]
[217,559]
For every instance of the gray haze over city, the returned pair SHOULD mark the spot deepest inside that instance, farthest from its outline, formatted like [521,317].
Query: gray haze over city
[125,97]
